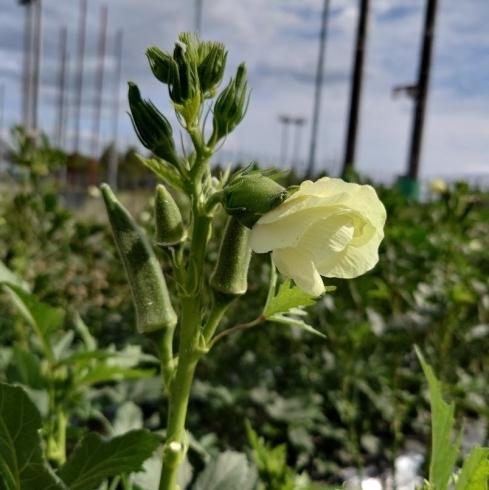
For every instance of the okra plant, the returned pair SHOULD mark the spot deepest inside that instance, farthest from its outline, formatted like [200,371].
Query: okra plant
[327,228]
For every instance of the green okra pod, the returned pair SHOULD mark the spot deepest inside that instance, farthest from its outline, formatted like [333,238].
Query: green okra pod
[230,276]
[154,310]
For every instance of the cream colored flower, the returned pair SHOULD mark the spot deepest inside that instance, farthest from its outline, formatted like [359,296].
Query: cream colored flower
[327,228]
[438,186]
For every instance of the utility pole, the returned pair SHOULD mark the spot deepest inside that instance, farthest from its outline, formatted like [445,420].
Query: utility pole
[2,112]
[356,88]
[30,63]
[36,77]
[198,15]
[79,72]
[99,85]
[422,90]
[63,33]
[114,158]
[319,83]
[285,121]
[298,123]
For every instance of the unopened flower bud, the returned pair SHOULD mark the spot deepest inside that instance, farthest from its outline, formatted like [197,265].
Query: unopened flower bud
[230,277]
[248,197]
[231,105]
[185,82]
[169,229]
[211,68]
[152,128]
[162,64]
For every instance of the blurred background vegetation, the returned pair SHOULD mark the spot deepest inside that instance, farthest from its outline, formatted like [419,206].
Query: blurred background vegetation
[353,399]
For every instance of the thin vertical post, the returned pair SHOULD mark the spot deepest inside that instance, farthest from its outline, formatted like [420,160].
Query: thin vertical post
[79,72]
[113,159]
[422,92]
[2,119]
[99,81]
[298,123]
[319,83]
[198,15]
[63,34]
[28,61]
[37,64]
[285,121]
[356,88]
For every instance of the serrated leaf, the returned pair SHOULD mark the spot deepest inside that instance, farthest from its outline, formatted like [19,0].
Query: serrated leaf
[297,323]
[22,462]
[475,470]
[163,170]
[288,296]
[443,452]
[95,458]
[228,471]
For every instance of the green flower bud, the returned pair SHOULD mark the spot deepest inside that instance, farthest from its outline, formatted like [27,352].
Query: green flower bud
[152,128]
[230,276]
[231,105]
[211,68]
[248,197]
[169,229]
[184,85]
[162,64]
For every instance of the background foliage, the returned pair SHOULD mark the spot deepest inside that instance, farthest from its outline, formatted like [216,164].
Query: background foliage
[351,399]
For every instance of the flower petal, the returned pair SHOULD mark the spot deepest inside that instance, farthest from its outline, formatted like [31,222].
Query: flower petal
[296,264]
[352,261]
[287,231]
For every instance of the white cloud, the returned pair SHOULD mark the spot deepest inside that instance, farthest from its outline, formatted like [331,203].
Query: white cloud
[278,39]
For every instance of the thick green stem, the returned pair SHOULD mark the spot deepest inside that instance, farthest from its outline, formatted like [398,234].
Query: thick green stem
[190,350]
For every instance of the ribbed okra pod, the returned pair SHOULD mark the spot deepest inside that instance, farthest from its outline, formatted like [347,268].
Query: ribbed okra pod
[154,310]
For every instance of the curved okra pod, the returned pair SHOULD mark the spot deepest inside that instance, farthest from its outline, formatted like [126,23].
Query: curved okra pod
[154,310]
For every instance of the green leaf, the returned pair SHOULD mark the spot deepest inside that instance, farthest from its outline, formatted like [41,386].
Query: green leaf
[22,462]
[288,296]
[95,458]
[228,471]
[443,453]
[475,470]
[41,316]
[289,300]
[102,373]
[287,320]
[25,368]
[9,277]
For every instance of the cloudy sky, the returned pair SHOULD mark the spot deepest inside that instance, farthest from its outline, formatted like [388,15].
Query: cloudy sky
[278,39]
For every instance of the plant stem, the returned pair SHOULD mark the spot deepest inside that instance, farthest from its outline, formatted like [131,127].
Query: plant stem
[189,352]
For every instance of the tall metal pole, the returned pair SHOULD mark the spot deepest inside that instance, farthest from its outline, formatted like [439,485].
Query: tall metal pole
[356,88]
[285,121]
[37,64]
[319,83]
[198,15]
[28,64]
[2,111]
[298,123]
[99,85]
[422,92]
[79,72]
[63,33]
[113,159]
